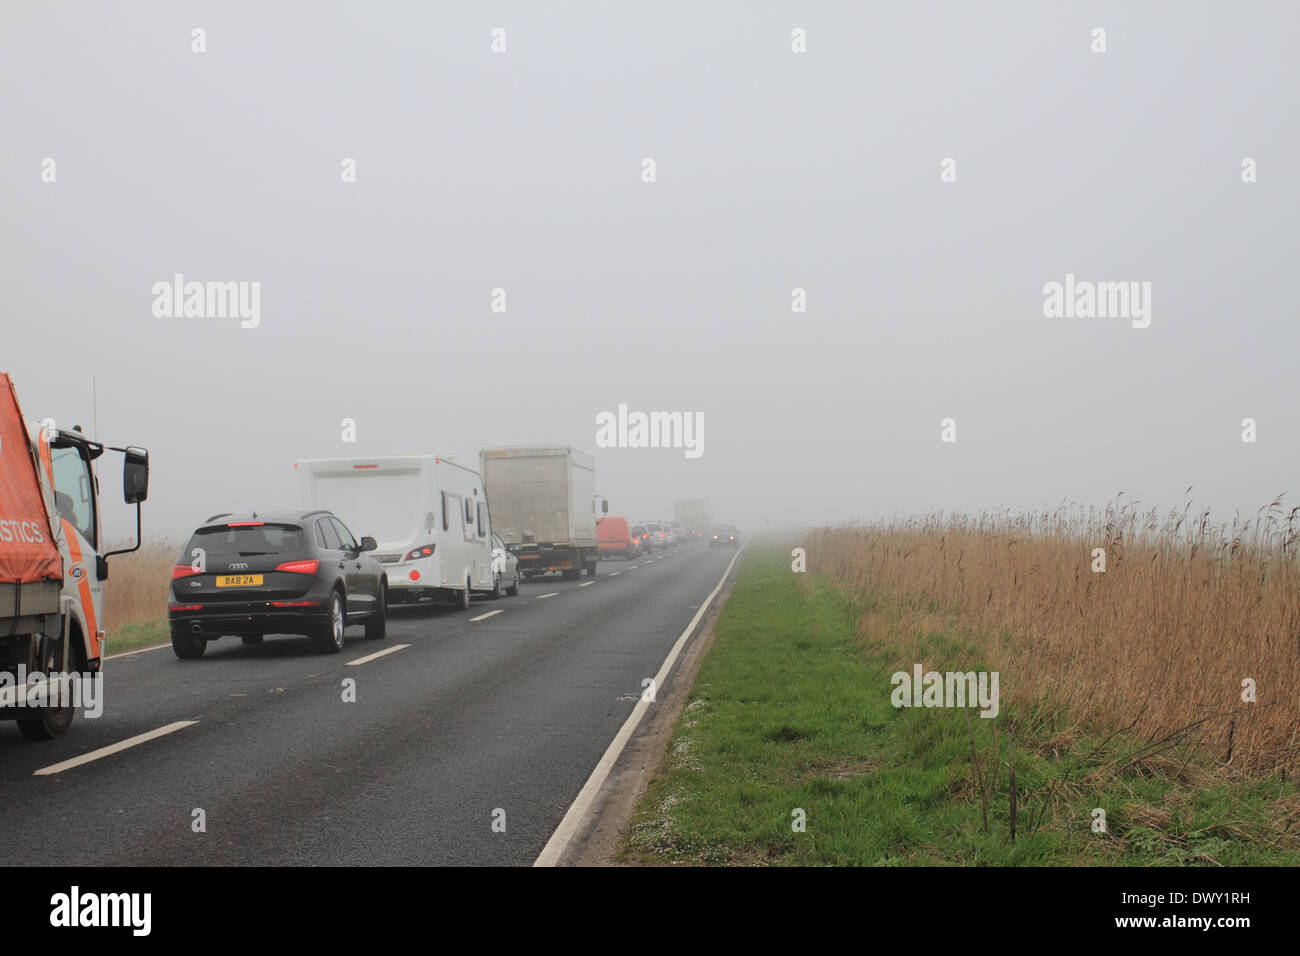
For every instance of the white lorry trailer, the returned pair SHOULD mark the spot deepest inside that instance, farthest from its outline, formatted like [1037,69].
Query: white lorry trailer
[545,505]
[428,515]
[52,566]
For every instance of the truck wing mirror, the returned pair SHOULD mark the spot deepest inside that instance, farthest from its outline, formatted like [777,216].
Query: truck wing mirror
[604,506]
[135,476]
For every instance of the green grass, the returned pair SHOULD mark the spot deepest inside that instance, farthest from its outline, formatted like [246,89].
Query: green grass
[136,634]
[789,711]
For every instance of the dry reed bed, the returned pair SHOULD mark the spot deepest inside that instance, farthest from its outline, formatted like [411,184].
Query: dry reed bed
[136,589]
[1185,610]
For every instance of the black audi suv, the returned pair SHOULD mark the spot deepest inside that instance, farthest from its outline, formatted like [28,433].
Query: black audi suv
[299,572]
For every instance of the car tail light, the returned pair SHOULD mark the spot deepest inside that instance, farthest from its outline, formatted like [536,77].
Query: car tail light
[299,567]
[183,571]
[424,551]
[295,604]
[414,575]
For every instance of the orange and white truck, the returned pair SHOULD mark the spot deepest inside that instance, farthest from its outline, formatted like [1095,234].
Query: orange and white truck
[52,563]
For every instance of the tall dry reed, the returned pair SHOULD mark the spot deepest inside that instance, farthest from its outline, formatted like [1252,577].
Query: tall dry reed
[1185,611]
[136,589]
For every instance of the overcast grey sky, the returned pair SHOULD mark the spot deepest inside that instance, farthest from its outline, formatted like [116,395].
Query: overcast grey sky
[522,170]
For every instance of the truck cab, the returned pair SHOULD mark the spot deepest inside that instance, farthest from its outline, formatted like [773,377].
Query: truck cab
[52,554]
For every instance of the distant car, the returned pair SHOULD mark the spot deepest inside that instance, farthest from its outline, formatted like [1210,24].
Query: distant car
[614,538]
[275,573]
[724,536]
[505,567]
[680,534]
[641,535]
[657,540]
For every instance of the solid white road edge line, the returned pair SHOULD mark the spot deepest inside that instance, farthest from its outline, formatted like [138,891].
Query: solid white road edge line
[138,650]
[577,813]
[112,748]
[370,657]
[484,617]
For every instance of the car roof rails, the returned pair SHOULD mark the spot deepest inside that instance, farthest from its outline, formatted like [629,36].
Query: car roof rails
[224,514]
[318,511]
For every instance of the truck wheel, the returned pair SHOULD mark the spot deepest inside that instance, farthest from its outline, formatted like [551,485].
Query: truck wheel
[514,588]
[188,647]
[329,634]
[462,598]
[377,624]
[51,722]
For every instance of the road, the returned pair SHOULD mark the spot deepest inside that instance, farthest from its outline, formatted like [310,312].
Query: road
[508,713]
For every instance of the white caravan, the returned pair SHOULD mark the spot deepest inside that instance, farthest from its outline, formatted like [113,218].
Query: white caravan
[428,515]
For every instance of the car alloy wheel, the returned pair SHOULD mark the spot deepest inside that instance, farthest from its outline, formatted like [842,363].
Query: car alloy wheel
[336,620]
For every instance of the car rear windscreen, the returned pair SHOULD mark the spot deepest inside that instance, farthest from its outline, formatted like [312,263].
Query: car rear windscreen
[247,540]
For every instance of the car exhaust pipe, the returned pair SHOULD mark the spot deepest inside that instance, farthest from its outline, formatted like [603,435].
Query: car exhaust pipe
[195,629]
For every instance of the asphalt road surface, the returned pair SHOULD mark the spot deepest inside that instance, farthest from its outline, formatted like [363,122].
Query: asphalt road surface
[510,713]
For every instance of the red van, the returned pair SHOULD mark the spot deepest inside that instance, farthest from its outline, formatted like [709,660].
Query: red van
[615,538]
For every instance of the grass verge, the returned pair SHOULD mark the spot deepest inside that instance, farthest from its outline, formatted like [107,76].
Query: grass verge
[790,717]
[137,634]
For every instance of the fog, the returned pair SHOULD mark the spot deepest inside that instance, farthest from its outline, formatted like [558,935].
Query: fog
[774,170]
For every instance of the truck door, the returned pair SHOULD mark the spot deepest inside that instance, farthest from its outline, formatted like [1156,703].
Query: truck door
[74,502]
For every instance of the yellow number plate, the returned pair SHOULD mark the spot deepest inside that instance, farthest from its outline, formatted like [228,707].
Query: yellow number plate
[238,580]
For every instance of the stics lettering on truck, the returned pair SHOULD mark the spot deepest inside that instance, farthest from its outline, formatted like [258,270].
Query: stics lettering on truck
[13,529]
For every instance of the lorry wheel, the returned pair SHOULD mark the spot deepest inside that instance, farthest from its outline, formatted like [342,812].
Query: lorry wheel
[50,722]
[251,638]
[514,588]
[188,647]
[462,598]
[329,634]
[377,624]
